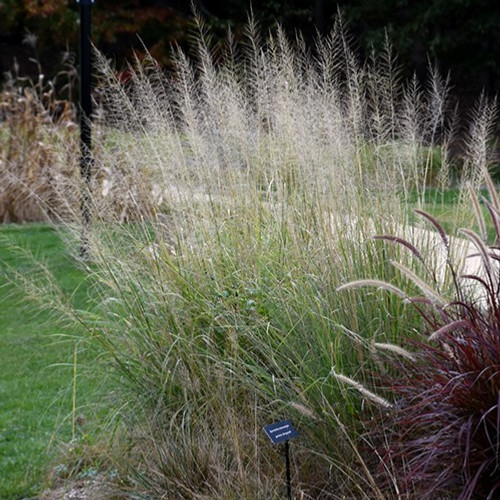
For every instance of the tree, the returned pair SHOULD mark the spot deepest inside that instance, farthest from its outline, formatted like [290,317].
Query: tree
[461,36]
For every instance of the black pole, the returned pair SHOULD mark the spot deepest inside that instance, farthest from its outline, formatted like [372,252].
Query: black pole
[85,114]
[288,475]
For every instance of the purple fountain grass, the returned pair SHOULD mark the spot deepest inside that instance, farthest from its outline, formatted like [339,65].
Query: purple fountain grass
[442,436]
[444,429]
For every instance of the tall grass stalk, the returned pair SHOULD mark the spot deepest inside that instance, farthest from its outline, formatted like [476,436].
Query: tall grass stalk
[230,201]
[38,145]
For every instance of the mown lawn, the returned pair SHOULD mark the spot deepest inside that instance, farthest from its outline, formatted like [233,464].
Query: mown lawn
[446,207]
[37,364]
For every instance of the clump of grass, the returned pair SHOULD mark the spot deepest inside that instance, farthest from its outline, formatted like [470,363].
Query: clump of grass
[440,440]
[38,145]
[39,161]
[264,174]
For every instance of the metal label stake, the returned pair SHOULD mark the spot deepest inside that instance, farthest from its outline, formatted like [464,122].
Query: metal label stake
[288,473]
[282,432]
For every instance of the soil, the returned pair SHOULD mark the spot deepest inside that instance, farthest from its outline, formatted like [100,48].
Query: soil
[82,489]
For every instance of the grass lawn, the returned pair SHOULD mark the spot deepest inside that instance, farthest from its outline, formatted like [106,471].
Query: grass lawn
[446,207]
[36,375]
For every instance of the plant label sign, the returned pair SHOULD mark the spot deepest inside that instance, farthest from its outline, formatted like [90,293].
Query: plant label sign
[280,432]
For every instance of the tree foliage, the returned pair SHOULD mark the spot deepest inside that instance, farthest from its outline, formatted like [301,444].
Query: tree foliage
[459,35]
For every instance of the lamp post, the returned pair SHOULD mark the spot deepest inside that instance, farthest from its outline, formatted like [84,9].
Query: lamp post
[85,114]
